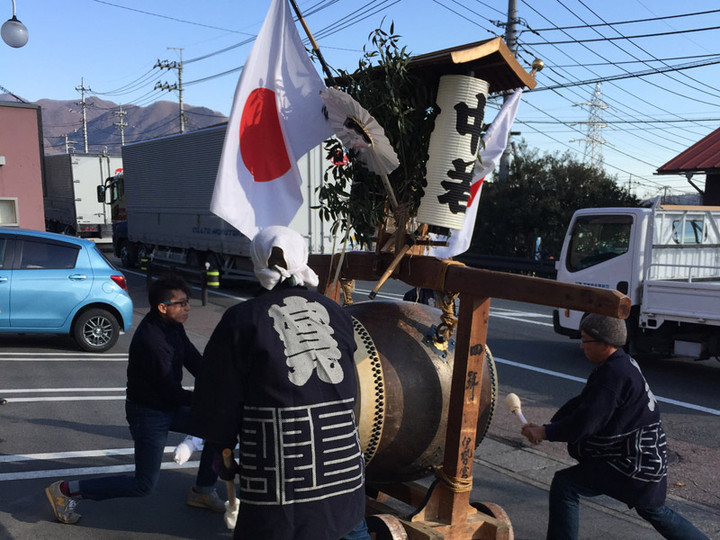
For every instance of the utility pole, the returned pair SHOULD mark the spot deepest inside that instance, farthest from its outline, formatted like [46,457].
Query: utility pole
[166,64]
[69,145]
[511,42]
[82,104]
[121,124]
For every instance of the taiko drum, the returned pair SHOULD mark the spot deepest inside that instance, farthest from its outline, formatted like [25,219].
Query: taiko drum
[404,392]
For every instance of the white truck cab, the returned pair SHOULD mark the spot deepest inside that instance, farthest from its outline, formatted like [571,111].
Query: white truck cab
[666,259]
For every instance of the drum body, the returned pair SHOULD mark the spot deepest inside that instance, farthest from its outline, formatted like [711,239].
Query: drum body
[404,392]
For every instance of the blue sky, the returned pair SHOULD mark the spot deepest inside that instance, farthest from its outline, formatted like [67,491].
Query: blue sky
[651,117]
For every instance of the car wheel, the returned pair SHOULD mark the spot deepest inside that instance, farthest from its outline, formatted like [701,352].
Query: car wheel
[96,330]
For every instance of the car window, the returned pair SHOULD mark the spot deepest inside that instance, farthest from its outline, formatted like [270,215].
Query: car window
[46,255]
[3,243]
[104,257]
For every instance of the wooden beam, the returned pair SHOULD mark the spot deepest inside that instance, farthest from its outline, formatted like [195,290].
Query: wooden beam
[423,271]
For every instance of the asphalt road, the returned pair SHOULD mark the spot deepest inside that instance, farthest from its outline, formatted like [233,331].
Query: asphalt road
[65,419]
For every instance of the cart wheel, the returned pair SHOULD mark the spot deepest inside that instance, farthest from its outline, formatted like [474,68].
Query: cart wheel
[386,527]
[492,509]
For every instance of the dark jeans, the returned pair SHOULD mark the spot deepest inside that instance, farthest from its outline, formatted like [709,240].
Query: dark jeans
[565,491]
[149,429]
[360,532]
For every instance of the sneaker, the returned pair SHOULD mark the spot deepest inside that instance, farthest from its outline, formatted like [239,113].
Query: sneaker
[206,500]
[62,505]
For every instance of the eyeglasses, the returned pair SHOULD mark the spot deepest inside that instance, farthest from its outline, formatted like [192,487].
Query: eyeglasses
[589,341]
[181,303]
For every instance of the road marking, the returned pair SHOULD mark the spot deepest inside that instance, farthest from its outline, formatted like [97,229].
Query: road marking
[34,390]
[500,313]
[68,398]
[71,354]
[87,471]
[559,375]
[68,359]
[73,455]
[82,471]
[513,316]
[31,391]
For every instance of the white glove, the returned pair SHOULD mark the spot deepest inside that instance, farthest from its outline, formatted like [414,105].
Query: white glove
[185,449]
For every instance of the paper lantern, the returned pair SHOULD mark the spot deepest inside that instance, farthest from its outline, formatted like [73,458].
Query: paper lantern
[453,148]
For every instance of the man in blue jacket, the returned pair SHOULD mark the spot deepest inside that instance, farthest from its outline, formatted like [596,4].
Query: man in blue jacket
[613,429]
[156,404]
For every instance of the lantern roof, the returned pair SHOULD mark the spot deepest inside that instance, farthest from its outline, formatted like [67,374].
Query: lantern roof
[490,60]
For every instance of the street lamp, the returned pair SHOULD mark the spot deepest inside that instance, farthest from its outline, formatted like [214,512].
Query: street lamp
[13,32]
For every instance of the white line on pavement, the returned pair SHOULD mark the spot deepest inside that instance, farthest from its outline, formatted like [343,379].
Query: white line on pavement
[38,390]
[69,359]
[559,375]
[86,471]
[74,355]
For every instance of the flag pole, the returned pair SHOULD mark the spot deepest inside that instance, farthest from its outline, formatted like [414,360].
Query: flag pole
[315,49]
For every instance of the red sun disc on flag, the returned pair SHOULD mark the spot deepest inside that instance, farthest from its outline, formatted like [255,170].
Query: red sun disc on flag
[261,140]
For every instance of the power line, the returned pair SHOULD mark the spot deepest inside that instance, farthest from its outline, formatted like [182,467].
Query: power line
[646,52]
[194,23]
[617,23]
[638,36]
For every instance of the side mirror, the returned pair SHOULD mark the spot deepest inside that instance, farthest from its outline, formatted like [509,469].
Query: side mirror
[101,194]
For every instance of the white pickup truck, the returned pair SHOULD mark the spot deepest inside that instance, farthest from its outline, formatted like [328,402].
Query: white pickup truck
[666,259]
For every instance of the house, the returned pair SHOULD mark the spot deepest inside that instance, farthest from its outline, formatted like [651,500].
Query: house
[21,166]
[702,157]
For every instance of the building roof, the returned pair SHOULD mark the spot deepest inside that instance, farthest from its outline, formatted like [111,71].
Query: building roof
[703,156]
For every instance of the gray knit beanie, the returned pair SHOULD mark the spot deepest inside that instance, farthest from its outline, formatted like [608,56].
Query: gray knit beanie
[606,329]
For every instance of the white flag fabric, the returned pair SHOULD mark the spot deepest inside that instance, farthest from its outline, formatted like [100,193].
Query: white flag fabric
[495,141]
[276,118]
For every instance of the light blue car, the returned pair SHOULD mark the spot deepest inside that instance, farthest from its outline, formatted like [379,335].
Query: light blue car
[56,284]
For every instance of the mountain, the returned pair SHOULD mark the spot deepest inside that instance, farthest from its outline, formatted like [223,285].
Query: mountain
[61,118]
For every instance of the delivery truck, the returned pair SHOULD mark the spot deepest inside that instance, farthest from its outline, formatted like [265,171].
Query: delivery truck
[666,259]
[71,203]
[167,185]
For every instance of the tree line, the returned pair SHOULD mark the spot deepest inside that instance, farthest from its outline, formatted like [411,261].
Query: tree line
[538,200]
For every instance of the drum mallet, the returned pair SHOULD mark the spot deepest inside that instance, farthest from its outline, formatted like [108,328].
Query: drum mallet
[513,403]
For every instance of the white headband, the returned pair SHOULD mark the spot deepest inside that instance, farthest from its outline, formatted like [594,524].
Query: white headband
[295,253]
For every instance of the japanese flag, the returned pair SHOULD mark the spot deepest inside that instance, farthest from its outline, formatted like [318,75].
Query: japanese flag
[495,141]
[276,118]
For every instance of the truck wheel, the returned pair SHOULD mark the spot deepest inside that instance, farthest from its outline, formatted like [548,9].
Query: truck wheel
[96,330]
[193,260]
[143,252]
[128,254]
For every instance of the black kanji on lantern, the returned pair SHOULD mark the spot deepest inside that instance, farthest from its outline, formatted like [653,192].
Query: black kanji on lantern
[464,127]
[459,190]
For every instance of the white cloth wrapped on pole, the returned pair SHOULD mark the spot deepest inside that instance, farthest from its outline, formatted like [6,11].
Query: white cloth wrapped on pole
[186,448]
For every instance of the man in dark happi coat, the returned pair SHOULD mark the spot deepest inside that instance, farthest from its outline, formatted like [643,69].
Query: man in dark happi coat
[279,377]
[613,429]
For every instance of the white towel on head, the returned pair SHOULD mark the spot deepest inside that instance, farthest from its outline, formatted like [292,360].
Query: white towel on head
[295,253]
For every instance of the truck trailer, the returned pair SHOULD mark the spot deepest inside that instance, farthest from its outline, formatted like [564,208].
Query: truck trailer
[71,202]
[666,259]
[167,185]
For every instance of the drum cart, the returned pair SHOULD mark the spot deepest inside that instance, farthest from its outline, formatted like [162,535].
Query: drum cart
[446,511]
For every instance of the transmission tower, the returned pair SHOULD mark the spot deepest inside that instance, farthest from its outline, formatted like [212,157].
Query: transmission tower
[593,139]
